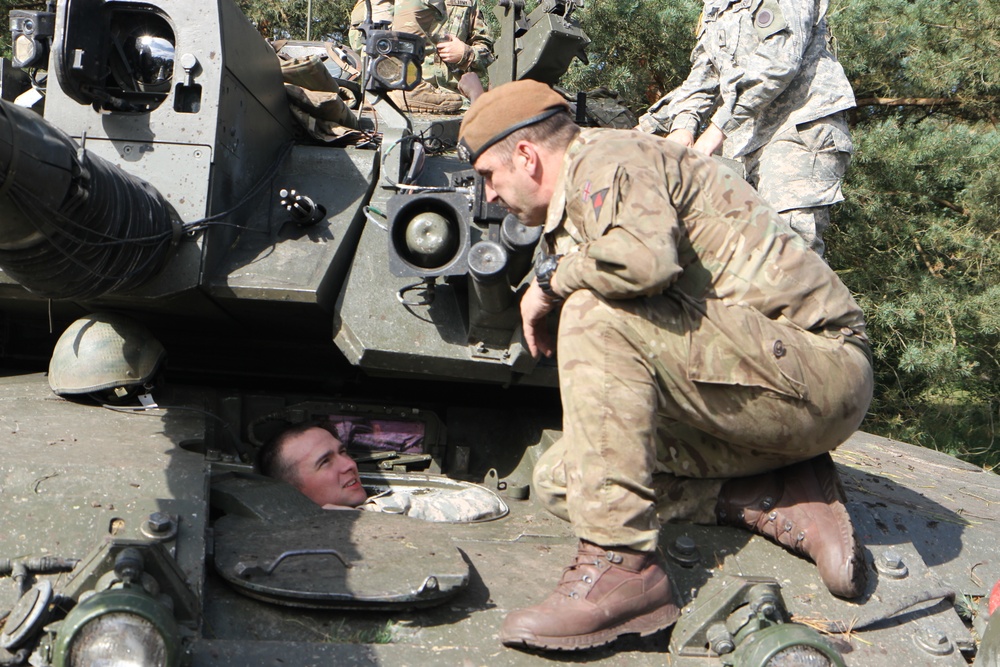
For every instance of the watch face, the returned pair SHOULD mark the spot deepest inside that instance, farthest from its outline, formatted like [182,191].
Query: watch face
[546,266]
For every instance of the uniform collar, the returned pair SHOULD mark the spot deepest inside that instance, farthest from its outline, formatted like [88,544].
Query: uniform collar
[557,205]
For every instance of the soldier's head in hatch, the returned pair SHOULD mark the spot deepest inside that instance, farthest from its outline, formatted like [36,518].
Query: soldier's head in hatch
[311,458]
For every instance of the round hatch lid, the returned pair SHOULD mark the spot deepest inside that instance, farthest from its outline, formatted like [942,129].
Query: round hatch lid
[343,559]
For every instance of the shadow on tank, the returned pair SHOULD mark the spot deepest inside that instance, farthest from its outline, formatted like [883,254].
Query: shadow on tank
[202,265]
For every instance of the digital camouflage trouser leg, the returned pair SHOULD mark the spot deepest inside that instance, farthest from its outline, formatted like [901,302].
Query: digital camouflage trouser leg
[664,399]
[800,171]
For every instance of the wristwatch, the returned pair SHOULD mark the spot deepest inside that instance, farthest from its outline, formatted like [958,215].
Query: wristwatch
[544,268]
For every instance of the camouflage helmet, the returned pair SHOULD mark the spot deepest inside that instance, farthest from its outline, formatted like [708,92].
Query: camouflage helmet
[104,351]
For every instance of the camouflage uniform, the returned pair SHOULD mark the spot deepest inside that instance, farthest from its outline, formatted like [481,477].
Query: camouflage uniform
[700,339]
[780,96]
[381,12]
[438,505]
[434,19]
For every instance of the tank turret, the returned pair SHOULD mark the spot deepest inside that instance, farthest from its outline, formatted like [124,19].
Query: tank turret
[199,263]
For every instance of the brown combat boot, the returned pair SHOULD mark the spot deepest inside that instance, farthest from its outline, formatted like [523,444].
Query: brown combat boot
[603,595]
[426,98]
[801,507]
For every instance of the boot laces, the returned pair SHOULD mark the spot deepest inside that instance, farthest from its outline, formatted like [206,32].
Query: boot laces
[577,579]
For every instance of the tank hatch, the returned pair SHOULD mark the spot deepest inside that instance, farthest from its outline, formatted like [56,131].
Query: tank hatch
[340,559]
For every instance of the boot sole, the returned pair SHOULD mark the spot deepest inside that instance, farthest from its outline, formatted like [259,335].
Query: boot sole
[645,625]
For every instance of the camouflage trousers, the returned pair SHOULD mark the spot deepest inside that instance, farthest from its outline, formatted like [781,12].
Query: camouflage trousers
[800,172]
[665,398]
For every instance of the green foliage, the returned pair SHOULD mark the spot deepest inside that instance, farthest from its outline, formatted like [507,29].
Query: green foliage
[286,19]
[916,239]
[639,48]
[926,48]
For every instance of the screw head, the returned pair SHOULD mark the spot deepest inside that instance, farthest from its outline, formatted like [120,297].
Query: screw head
[891,564]
[159,522]
[684,545]
[892,559]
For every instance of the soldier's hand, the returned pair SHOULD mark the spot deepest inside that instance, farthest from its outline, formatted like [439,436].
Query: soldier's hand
[452,50]
[710,140]
[535,305]
[682,137]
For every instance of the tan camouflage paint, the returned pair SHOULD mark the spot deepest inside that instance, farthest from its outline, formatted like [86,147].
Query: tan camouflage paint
[700,340]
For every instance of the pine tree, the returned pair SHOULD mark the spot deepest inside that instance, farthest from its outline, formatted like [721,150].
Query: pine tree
[916,239]
[286,19]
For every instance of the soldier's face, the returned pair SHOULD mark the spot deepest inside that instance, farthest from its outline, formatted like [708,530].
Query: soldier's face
[323,470]
[513,185]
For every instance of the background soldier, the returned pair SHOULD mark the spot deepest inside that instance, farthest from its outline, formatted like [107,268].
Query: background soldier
[700,341]
[459,48]
[780,96]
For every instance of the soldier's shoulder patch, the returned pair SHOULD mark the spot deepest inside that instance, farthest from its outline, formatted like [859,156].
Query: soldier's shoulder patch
[597,201]
[769,19]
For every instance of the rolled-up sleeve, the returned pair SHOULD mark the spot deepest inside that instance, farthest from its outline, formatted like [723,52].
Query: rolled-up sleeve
[481,42]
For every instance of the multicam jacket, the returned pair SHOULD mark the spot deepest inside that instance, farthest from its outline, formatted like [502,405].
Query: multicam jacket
[767,65]
[436,18]
[634,215]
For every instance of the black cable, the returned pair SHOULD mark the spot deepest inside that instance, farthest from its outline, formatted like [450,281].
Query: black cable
[111,235]
[197,225]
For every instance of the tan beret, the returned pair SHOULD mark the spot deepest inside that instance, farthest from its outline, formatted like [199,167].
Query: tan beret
[497,114]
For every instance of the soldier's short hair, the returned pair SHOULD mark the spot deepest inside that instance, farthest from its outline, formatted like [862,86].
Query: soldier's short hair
[552,133]
[269,460]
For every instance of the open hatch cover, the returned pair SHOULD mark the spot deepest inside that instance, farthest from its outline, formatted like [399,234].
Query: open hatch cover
[340,559]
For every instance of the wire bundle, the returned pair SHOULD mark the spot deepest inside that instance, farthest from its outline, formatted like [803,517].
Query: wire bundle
[113,233]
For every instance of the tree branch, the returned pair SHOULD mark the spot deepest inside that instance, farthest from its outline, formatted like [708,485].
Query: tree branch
[937,200]
[935,270]
[908,102]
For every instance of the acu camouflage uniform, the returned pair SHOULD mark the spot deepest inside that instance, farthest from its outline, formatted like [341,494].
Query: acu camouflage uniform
[438,505]
[779,96]
[700,339]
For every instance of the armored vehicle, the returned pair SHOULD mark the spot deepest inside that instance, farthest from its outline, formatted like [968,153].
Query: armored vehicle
[195,269]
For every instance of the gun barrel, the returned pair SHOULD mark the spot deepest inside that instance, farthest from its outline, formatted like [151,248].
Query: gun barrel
[72,225]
